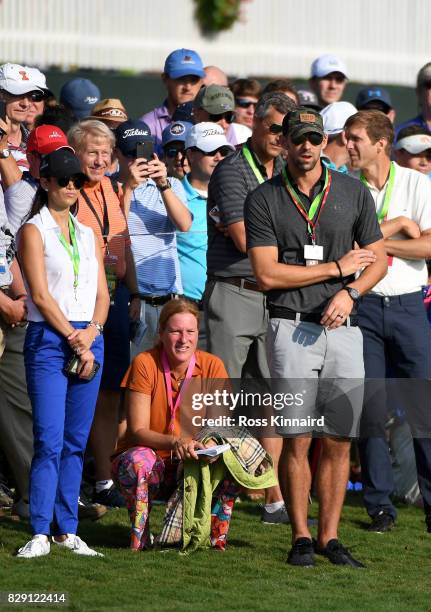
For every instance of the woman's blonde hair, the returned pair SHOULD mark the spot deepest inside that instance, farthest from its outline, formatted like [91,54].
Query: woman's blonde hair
[80,132]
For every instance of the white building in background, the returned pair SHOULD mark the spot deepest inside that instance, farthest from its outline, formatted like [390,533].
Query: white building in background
[383,41]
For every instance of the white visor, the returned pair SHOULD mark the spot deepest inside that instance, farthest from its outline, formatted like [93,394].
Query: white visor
[417,143]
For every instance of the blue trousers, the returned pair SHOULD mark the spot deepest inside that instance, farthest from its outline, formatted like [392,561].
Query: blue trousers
[397,338]
[63,409]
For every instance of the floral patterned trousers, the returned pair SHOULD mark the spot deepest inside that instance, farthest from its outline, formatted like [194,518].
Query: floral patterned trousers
[142,476]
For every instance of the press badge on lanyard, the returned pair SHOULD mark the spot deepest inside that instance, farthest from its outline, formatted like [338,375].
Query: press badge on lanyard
[313,253]
[5,275]
[110,262]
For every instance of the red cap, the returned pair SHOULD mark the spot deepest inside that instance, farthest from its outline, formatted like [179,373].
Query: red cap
[46,139]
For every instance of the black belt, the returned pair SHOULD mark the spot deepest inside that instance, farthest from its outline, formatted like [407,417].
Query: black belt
[199,303]
[279,312]
[157,300]
[237,282]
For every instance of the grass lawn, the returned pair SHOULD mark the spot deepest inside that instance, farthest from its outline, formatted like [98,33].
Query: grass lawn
[250,575]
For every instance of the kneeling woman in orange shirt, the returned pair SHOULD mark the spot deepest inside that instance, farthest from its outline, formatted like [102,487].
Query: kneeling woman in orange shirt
[147,463]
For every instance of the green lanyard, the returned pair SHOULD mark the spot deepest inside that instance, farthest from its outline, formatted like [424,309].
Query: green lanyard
[73,252]
[310,214]
[249,157]
[381,215]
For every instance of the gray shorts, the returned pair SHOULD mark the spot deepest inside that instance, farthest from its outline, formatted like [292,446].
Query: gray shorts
[321,372]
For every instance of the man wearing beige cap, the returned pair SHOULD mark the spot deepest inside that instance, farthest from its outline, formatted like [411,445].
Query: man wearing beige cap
[111,111]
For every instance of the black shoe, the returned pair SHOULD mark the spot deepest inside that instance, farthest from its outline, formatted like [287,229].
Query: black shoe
[338,555]
[302,553]
[428,522]
[111,498]
[382,522]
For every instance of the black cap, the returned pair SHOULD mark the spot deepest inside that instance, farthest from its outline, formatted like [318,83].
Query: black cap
[59,163]
[130,133]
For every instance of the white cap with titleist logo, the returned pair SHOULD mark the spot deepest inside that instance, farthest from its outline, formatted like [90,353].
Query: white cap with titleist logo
[207,137]
[18,80]
[325,64]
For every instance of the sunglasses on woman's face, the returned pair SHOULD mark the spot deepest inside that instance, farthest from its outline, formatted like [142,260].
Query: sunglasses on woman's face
[313,138]
[244,103]
[228,116]
[78,181]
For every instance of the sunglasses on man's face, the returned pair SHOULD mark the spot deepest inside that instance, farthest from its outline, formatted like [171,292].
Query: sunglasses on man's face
[78,181]
[34,96]
[245,103]
[275,128]
[228,116]
[222,150]
[172,153]
[37,96]
[313,138]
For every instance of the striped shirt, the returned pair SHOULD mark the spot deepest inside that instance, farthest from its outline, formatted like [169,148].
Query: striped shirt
[231,182]
[114,251]
[154,242]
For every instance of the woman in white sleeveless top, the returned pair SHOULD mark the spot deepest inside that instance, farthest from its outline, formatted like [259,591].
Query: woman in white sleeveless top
[68,304]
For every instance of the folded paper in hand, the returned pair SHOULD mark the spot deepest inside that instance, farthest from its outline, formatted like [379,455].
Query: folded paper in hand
[213,451]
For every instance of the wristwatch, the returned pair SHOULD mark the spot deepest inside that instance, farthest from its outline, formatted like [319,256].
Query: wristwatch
[354,293]
[98,326]
[4,153]
[166,186]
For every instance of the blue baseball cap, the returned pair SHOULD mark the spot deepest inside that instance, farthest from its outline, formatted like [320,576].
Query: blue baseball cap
[175,132]
[373,94]
[183,62]
[129,133]
[80,95]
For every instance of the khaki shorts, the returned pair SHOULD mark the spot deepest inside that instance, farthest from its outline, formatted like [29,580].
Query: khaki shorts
[323,370]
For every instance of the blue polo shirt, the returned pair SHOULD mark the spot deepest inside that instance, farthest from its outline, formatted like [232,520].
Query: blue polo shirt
[154,240]
[192,245]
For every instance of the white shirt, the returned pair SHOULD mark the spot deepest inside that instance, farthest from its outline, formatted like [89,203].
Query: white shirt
[411,197]
[59,270]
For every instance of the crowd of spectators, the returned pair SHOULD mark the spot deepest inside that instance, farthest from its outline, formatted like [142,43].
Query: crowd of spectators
[139,253]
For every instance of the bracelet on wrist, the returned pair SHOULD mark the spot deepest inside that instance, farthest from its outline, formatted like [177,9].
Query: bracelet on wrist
[339,269]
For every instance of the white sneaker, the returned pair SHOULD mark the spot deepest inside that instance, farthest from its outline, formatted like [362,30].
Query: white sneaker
[78,546]
[37,547]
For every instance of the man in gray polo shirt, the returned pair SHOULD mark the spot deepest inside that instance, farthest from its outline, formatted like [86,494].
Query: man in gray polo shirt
[301,230]
[235,314]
